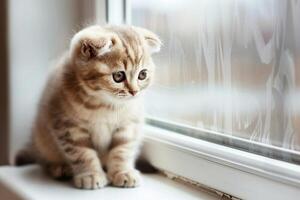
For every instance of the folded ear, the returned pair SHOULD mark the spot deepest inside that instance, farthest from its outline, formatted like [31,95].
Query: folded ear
[93,48]
[91,42]
[152,40]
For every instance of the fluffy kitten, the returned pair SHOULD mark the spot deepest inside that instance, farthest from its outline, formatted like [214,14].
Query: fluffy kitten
[91,111]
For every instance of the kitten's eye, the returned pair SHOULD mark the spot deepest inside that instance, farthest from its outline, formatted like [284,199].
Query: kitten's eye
[143,74]
[119,76]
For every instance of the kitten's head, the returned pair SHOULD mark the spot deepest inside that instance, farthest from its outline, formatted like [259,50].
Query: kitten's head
[115,60]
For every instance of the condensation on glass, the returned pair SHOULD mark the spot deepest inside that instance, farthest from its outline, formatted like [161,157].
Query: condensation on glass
[231,66]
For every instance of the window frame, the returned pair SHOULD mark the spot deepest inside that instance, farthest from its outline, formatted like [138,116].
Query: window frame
[207,160]
[225,169]
[235,142]
[4,85]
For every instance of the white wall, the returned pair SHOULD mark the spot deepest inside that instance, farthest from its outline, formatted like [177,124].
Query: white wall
[39,31]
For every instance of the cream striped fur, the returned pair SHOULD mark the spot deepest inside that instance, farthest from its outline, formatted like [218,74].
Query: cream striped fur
[88,125]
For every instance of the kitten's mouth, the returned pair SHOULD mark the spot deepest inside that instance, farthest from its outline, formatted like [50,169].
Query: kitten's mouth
[122,96]
[127,96]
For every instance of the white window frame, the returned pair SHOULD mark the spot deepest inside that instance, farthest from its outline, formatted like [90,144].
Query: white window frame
[238,173]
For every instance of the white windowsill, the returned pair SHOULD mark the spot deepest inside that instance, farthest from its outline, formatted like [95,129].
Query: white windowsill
[241,174]
[31,183]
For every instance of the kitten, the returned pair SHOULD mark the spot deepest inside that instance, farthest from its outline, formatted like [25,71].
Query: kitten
[91,111]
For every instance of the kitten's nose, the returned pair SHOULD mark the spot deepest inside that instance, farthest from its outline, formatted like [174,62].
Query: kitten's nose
[133,92]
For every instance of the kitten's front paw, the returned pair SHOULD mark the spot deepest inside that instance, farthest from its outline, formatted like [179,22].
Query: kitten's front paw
[129,178]
[94,180]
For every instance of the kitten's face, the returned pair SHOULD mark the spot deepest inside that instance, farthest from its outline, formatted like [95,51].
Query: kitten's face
[116,61]
[120,80]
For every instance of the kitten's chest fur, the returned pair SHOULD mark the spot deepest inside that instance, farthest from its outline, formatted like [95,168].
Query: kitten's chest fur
[104,122]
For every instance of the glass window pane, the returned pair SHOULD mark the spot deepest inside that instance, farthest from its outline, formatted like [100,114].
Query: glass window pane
[229,66]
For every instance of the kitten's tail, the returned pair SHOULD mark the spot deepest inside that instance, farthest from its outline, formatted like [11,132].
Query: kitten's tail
[144,166]
[25,156]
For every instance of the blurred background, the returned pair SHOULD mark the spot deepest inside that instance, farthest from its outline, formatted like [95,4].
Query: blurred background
[230,66]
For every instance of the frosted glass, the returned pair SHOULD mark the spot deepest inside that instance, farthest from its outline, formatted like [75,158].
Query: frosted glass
[231,66]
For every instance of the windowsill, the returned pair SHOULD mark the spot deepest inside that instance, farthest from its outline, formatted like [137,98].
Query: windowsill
[238,173]
[31,183]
